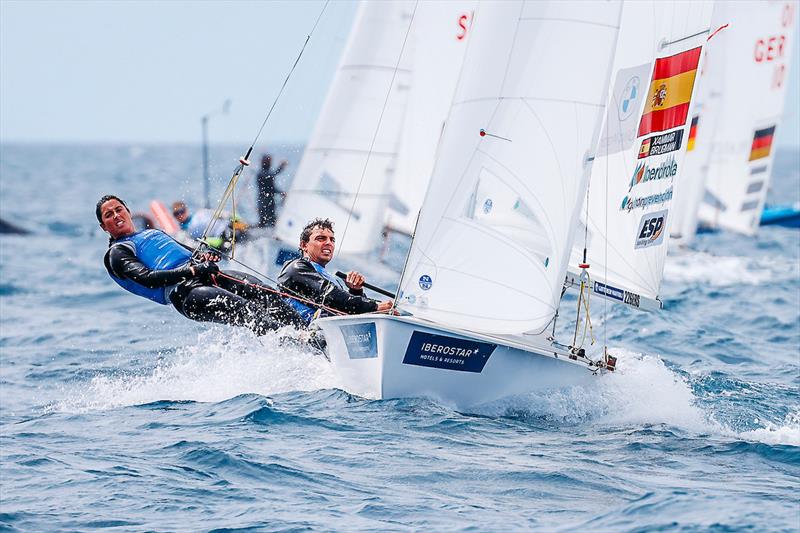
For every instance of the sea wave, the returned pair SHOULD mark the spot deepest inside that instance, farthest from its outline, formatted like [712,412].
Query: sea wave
[219,366]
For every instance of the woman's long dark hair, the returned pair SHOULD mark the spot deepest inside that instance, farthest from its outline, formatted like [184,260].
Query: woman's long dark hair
[98,213]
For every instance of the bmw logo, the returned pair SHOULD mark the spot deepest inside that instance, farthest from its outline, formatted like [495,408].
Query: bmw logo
[629,96]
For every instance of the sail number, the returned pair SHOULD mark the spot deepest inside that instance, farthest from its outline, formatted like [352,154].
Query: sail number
[772,49]
[463,23]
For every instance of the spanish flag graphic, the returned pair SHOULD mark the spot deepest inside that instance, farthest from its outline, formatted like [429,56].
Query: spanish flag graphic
[692,134]
[670,92]
[762,143]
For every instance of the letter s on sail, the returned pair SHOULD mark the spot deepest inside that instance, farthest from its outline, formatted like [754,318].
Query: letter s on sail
[462,23]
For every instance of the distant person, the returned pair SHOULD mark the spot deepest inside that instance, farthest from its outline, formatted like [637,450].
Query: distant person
[153,265]
[307,277]
[265,181]
[195,224]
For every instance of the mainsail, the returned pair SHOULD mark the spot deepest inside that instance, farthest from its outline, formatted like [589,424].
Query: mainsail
[436,49]
[346,168]
[753,63]
[640,153]
[495,231]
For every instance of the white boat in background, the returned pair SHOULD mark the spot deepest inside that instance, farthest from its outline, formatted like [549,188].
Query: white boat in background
[623,238]
[749,66]
[436,46]
[368,161]
[484,276]
[354,144]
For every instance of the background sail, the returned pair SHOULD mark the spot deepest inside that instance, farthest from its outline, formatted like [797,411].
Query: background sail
[494,234]
[328,177]
[754,63]
[436,49]
[692,184]
[640,153]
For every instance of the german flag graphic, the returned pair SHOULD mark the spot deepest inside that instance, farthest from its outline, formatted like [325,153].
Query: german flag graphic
[762,143]
[670,92]
[692,134]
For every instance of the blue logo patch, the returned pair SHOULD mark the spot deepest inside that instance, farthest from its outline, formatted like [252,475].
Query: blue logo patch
[449,353]
[487,206]
[361,340]
[425,282]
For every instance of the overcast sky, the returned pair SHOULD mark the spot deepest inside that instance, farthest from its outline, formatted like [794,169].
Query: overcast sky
[146,71]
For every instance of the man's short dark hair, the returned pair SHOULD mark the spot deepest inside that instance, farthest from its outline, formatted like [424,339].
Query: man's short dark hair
[321,223]
[105,199]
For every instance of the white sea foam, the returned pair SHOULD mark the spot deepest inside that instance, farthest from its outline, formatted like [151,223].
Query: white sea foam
[703,268]
[787,433]
[642,391]
[216,368]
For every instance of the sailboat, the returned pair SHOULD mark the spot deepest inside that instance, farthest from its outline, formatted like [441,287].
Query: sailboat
[483,277]
[398,71]
[483,280]
[748,65]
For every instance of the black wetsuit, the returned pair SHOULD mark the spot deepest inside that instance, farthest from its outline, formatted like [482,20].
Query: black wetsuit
[227,297]
[300,277]
[265,181]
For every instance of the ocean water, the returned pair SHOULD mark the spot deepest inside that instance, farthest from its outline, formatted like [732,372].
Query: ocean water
[117,413]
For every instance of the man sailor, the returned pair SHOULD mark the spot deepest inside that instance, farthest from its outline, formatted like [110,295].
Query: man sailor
[307,277]
[153,265]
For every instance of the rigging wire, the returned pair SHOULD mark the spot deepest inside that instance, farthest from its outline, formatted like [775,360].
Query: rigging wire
[378,126]
[286,293]
[605,244]
[243,161]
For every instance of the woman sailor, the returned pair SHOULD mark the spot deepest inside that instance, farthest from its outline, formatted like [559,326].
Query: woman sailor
[155,266]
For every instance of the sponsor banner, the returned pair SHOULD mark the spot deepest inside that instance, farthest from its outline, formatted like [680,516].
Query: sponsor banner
[670,92]
[661,144]
[630,202]
[643,173]
[361,340]
[692,133]
[762,143]
[619,130]
[439,351]
[620,295]
[651,229]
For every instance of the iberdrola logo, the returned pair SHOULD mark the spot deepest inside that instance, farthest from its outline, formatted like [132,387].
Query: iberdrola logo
[667,169]
[637,175]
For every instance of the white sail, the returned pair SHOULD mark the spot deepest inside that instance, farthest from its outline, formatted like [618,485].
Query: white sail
[692,185]
[493,239]
[640,155]
[343,175]
[753,64]
[436,49]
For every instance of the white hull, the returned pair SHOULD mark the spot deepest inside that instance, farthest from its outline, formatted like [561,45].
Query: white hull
[381,357]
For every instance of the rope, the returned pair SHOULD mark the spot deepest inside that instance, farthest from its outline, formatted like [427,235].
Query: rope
[378,127]
[283,294]
[583,298]
[287,294]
